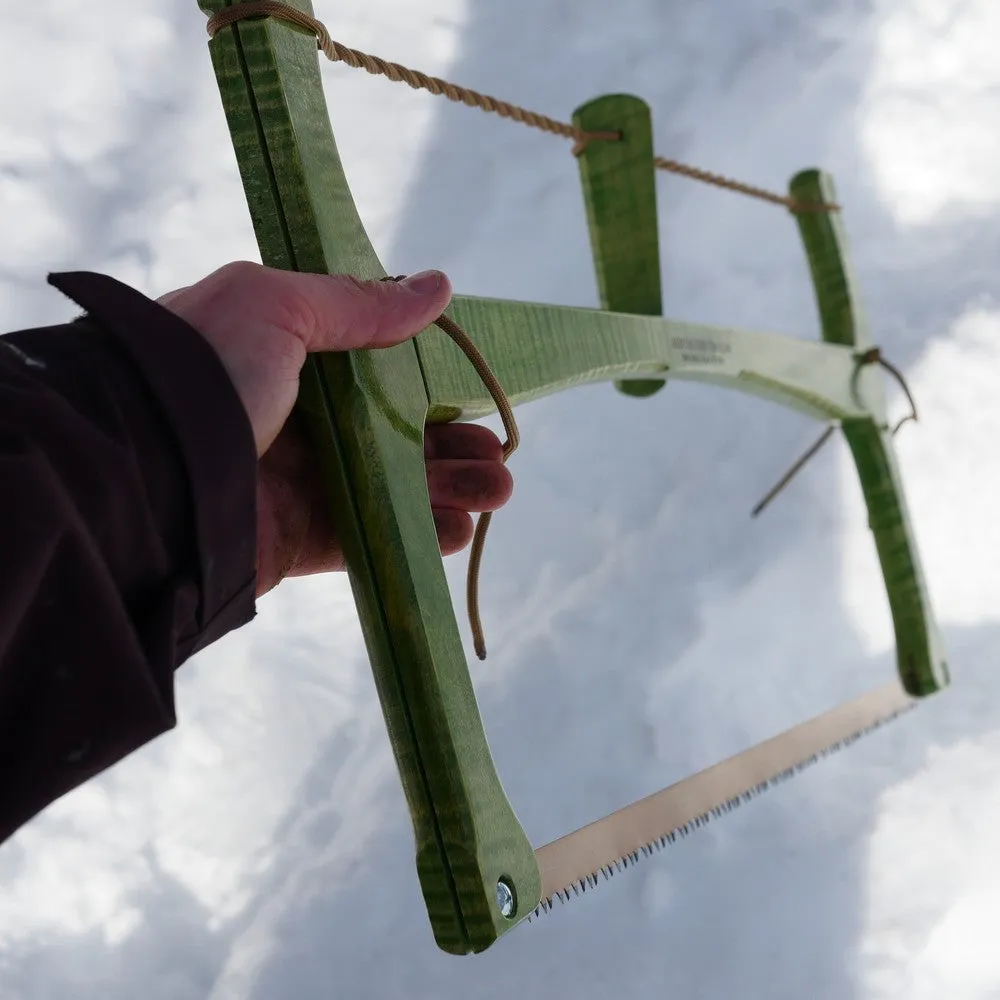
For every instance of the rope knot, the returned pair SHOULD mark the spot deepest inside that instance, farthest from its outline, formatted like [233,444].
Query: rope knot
[870,356]
[873,356]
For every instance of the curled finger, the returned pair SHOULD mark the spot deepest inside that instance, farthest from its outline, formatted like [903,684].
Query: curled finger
[454,530]
[468,484]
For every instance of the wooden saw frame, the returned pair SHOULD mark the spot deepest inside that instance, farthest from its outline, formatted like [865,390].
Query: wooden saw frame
[366,412]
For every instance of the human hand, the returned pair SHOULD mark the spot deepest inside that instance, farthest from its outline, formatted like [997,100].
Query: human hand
[262,323]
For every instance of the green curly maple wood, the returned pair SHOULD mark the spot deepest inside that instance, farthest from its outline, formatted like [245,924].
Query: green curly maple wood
[920,654]
[366,412]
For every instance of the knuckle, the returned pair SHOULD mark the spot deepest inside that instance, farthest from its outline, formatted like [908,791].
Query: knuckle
[294,313]
[374,304]
[240,271]
[288,354]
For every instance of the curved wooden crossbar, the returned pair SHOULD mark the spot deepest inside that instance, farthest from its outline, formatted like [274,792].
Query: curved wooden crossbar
[366,412]
[536,350]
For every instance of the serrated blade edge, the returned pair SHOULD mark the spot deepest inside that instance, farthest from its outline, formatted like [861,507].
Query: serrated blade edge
[575,861]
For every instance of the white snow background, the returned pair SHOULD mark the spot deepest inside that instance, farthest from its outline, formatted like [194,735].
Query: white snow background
[641,625]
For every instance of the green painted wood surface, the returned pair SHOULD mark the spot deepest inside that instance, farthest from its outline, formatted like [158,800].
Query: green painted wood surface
[366,412]
[920,653]
[619,192]
[538,349]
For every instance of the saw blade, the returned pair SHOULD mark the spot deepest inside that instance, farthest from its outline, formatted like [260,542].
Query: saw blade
[576,862]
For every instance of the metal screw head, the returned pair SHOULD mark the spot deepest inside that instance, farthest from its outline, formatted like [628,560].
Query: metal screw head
[505,898]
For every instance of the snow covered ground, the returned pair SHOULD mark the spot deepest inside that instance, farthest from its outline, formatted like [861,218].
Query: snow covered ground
[641,625]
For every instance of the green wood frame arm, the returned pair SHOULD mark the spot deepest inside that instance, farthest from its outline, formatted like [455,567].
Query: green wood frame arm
[920,655]
[366,412]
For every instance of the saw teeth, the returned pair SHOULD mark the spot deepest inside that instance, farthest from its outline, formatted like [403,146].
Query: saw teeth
[698,822]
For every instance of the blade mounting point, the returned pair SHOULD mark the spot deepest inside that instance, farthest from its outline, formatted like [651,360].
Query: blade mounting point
[506,900]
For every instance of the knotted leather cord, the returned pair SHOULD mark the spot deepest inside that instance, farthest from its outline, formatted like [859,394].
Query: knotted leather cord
[506,411]
[872,356]
[336,52]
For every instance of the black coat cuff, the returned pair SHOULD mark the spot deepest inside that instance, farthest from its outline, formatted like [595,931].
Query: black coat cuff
[212,430]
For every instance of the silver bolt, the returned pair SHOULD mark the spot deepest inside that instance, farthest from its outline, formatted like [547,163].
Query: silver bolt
[505,898]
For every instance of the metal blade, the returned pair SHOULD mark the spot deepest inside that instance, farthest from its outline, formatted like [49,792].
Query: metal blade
[573,863]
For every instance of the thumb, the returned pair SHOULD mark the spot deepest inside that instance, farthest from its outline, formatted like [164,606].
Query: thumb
[341,313]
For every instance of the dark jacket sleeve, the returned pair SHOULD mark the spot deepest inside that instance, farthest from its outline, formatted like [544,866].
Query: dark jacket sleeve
[128,519]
